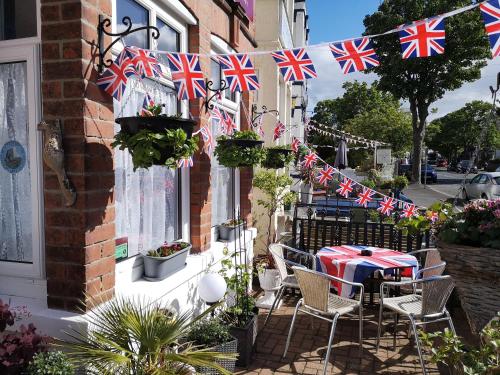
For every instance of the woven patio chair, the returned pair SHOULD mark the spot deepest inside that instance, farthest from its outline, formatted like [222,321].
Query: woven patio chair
[318,302]
[420,309]
[283,264]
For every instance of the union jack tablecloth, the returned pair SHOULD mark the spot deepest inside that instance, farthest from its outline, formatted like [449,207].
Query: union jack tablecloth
[347,263]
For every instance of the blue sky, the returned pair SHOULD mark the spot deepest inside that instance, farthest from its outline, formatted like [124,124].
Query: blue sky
[331,20]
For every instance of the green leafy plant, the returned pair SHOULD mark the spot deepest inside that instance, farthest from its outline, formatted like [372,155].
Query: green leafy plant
[450,350]
[433,219]
[232,155]
[400,183]
[477,225]
[149,147]
[129,336]
[231,223]
[168,249]
[276,189]
[51,363]
[209,332]
[277,157]
[369,184]
[152,110]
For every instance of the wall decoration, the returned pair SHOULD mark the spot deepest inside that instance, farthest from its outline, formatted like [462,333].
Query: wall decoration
[13,157]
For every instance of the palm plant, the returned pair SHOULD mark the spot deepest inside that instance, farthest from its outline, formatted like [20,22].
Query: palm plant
[136,337]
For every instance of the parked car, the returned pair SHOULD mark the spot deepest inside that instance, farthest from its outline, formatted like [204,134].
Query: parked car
[452,166]
[492,165]
[466,166]
[443,163]
[431,173]
[484,186]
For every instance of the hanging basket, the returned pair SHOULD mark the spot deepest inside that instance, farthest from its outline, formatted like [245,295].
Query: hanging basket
[242,143]
[134,124]
[476,272]
[239,153]
[276,158]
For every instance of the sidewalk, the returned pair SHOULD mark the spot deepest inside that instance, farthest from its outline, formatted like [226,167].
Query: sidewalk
[424,196]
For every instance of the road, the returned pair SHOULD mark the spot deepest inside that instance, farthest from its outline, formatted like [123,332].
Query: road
[449,183]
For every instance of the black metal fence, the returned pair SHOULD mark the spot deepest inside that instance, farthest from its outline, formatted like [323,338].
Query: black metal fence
[335,221]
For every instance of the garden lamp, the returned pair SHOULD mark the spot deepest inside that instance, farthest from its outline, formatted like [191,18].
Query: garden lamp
[212,288]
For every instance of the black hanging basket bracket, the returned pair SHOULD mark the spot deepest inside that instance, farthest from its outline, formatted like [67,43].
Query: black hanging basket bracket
[256,115]
[214,92]
[103,25]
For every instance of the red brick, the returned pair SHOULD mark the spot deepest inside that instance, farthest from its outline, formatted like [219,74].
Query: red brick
[73,127]
[62,70]
[98,128]
[108,281]
[50,13]
[99,268]
[72,49]
[59,31]
[100,233]
[51,90]
[50,51]
[105,7]
[71,11]
[89,14]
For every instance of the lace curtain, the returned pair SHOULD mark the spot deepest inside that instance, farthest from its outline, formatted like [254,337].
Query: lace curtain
[146,201]
[15,180]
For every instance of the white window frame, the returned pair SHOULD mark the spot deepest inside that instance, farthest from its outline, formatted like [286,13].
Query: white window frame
[26,279]
[179,25]
[219,46]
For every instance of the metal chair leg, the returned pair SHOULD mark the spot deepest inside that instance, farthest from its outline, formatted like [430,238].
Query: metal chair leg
[379,329]
[291,328]
[330,342]
[396,321]
[419,349]
[275,303]
[450,322]
[360,331]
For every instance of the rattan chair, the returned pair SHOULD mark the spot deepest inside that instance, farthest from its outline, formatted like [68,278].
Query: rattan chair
[317,301]
[283,264]
[420,309]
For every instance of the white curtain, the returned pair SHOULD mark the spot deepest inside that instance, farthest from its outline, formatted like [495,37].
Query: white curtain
[146,201]
[15,181]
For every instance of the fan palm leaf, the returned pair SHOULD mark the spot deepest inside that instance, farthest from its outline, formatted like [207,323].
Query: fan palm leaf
[135,337]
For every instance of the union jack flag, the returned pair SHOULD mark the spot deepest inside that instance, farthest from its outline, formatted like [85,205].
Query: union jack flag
[206,134]
[346,262]
[423,38]
[346,187]
[409,210]
[146,103]
[490,10]
[355,55]
[114,79]
[218,115]
[279,130]
[229,126]
[294,64]
[296,144]
[325,175]
[239,72]
[387,206]
[310,159]
[365,197]
[187,75]
[145,64]
[433,216]
[185,162]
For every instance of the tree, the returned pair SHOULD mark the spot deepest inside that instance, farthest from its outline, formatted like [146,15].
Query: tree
[387,124]
[422,81]
[460,131]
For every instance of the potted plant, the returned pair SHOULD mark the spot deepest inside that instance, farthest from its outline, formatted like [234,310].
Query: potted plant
[307,178]
[230,230]
[155,139]
[51,363]
[212,334]
[240,313]
[277,157]
[276,190]
[165,260]
[137,337]
[469,242]
[244,149]
[459,358]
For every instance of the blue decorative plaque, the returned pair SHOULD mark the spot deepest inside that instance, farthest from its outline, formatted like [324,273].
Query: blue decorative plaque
[13,157]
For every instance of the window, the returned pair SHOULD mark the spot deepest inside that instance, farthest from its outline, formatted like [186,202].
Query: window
[18,19]
[217,76]
[148,202]
[496,180]
[483,179]
[475,180]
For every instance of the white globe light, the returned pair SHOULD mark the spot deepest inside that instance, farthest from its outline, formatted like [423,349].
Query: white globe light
[212,288]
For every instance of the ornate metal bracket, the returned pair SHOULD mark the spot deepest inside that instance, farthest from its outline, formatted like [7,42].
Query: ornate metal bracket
[105,23]
[216,92]
[257,115]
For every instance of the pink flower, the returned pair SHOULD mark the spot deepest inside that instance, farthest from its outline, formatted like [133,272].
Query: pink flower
[496,213]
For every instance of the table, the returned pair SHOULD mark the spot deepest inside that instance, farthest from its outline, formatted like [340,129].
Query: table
[347,263]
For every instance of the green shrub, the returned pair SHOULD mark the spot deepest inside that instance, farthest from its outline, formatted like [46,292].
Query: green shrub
[276,158]
[400,182]
[50,363]
[369,184]
[234,156]
[209,332]
[375,176]
[387,185]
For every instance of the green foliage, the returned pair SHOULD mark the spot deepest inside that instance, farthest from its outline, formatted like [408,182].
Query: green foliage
[277,157]
[424,222]
[369,183]
[460,131]
[153,110]
[149,147]
[422,81]
[449,349]
[168,249]
[401,182]
[50,363]
[477,225]
[127,336]
[209,332]
[234,156]
[276,189]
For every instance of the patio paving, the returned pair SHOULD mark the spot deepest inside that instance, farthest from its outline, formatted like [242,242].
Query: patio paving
[308,346]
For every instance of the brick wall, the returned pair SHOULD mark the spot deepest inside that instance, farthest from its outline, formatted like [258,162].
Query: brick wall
[79,240]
